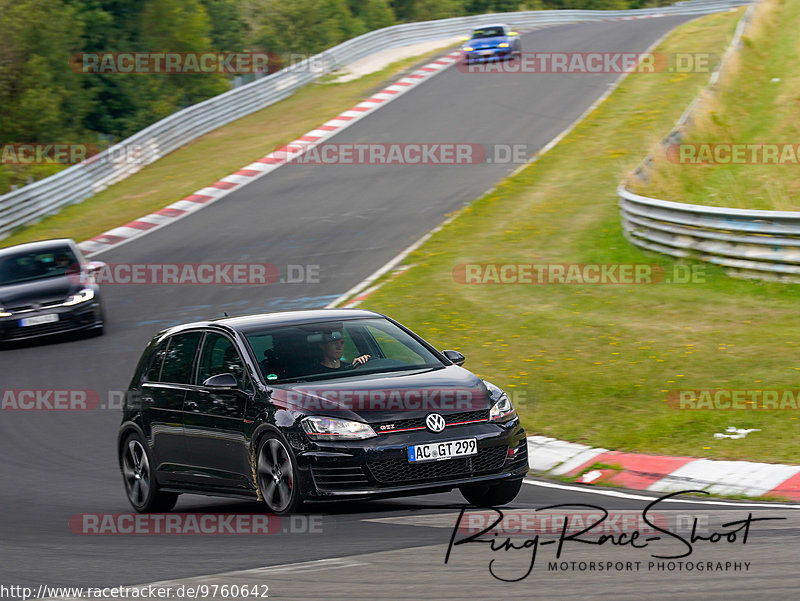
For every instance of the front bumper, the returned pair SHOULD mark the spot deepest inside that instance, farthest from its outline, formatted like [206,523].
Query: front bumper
[83,316]
[379,466]
[474,56]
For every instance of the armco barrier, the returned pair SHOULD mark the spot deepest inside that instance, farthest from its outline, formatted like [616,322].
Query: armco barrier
[77,183]
[749,243]
[762,244]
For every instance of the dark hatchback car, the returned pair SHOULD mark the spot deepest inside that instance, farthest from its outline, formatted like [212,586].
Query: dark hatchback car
[313,405]
[48,288]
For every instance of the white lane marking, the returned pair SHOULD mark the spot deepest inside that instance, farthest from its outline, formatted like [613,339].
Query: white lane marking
[625,495]
[310,566]
[388,266]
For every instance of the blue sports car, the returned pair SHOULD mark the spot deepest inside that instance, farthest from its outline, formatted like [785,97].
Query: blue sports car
[491,42]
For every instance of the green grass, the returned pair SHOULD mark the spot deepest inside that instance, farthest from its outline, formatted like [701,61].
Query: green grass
[594,363]
[210,157]
[749,108]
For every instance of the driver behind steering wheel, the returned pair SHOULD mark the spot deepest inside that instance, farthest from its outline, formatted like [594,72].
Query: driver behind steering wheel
[332,349]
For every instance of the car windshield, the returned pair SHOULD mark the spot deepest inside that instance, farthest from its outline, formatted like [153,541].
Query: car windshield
[39,265]
[331,349]
[487,32]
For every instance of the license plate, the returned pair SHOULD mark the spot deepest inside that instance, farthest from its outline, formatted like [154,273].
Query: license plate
[38,320]
[437,451]
[486,52]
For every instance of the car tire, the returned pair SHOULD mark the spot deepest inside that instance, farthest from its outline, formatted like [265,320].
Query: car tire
[141,487]
[491,495]
[276,475]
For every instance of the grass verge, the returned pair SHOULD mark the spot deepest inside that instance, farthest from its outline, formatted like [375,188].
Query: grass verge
[595,363]
[202,162]
[756,103]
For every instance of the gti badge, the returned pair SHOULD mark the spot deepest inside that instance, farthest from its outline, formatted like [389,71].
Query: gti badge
[434,422]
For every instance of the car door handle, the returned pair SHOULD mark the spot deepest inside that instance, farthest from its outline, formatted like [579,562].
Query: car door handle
[191,405]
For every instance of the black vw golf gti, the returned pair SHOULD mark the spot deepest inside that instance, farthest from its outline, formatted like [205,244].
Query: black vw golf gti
[313,405]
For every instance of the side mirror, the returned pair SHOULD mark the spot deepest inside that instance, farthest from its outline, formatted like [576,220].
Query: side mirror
[455,357]
[224,381]
[465,39]
[93,267]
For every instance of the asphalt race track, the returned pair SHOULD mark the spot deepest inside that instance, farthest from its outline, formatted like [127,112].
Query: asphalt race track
[349,221]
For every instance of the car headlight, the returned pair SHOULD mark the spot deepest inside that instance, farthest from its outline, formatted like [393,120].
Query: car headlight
[84,295]
[503,45]
[338,429]
[468,48]
[502,411]
[4,313]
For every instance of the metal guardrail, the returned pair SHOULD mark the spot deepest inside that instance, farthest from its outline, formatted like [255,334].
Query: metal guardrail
[749,243]
[81,181]
[760,244]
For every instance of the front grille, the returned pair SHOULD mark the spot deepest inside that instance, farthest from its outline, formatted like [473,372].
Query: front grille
[28,308]
[20,308]
[398,470]
[419,422]
[338,478]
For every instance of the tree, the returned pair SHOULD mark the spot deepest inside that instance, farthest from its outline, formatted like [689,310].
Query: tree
[374,14]
[304,27]
[227,27]
[428,10]
[179,26]
[42,100]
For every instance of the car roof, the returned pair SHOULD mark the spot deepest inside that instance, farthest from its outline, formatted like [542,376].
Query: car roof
[251,323]
[503,25]
[38,246]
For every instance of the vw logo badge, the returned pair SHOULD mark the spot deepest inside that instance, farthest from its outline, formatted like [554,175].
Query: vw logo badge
[434,422]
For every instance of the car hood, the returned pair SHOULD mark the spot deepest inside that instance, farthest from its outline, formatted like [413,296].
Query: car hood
[48,290]
[487,42]
[379,398]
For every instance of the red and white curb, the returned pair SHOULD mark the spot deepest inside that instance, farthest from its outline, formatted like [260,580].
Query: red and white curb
[550,456]
[249,173]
